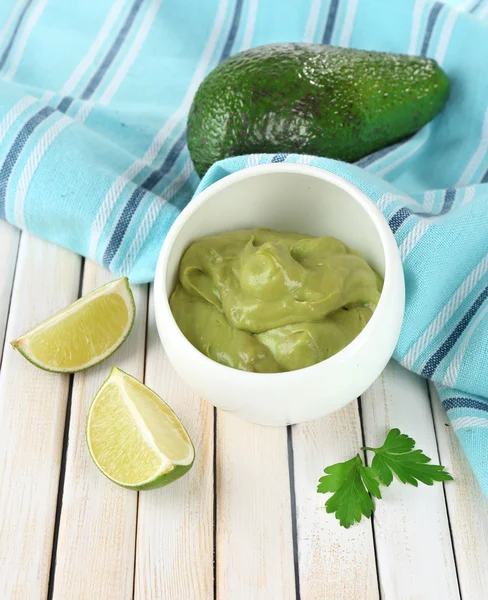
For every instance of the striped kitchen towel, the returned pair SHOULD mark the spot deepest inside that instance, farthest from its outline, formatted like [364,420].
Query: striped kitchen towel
[94,96]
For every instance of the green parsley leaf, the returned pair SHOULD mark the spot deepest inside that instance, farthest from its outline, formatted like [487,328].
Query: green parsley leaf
[351,481]
[410,466]
[353,484]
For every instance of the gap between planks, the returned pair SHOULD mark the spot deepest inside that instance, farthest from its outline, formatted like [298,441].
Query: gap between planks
[148,297]
[293,500]
[62,474]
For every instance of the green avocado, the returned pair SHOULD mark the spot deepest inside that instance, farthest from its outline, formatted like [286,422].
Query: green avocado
[314,99]
[267,301]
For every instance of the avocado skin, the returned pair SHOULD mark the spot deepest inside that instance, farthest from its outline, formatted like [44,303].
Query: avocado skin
[314,99]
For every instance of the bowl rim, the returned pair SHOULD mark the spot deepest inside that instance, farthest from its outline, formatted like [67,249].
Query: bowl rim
[390,249]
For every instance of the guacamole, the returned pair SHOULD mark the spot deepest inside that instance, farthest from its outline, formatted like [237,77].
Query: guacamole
[267,301]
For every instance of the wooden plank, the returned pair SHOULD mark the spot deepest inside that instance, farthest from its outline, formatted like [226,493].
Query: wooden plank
[413,545]
[174,556]
[32,418]
[95,550]
[468,509]
[254,543]
[333,562]
[9,243]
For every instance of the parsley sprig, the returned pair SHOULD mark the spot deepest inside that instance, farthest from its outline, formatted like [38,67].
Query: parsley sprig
[353,484]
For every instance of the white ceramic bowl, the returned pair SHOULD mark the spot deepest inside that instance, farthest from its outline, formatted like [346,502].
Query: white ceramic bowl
[286,197]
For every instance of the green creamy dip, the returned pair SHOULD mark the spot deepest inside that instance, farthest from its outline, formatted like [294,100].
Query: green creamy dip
[266,301]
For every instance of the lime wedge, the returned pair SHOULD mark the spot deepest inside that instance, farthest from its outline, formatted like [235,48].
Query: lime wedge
[134,437]
[84,333]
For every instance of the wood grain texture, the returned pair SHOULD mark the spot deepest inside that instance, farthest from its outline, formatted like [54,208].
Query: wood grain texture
[254,547]
[468,510]
[9,243]
[334,563]
[32,417]
[411,525]
[175,524]
[96,543]
[174,560]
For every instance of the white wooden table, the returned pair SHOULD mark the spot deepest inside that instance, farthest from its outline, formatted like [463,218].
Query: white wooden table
[246,522]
